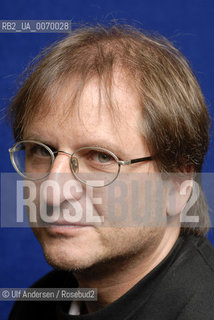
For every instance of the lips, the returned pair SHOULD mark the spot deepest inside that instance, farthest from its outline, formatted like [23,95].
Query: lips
[63,228]
[64,223]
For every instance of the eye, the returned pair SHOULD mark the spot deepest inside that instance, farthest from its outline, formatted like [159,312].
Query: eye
[100,157]
[104,157]
[39,150]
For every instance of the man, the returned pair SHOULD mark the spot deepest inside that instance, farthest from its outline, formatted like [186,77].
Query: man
[101,96]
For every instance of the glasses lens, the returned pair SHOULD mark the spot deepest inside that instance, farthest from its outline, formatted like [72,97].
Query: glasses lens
[33,160]
[96,166]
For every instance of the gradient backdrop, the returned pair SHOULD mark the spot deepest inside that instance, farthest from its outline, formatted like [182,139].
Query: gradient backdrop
[188,23]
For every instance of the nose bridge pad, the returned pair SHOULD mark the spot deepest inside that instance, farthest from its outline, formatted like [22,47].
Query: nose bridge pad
[75,164]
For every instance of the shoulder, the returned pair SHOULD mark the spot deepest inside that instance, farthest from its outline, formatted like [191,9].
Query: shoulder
[186,291]
[196,260]
[195,279]
[193,269]
[205,249]
[53,279]
[199,307]
[39,309]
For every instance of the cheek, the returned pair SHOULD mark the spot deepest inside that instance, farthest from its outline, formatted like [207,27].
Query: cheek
[134,200]
[32,202]
[129,241]
[96,200]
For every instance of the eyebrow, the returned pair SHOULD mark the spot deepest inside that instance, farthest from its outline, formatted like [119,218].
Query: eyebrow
[99,143]
[38,138]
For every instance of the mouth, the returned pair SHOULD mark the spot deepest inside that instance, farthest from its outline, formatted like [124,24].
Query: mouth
[65,228]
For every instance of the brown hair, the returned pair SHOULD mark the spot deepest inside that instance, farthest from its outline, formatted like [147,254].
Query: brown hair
[175,118]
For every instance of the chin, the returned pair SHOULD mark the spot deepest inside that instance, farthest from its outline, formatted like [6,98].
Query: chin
[70,254]
[61,261]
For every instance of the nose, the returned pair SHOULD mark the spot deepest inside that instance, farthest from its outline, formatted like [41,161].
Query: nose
[61,185]
[62,163]
[74,164]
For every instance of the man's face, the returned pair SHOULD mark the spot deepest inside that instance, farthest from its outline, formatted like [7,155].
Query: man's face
[72,247]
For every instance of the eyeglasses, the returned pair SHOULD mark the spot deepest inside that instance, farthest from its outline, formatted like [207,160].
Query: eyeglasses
[93,166]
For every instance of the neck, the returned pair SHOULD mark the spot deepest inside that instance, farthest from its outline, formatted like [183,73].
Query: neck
[114,279]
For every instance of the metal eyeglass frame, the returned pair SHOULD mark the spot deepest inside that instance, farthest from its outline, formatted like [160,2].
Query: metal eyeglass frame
[73,159]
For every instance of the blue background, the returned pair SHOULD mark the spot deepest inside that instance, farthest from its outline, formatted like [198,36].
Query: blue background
[188,23]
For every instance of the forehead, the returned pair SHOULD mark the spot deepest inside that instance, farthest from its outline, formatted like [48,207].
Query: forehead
[98,111]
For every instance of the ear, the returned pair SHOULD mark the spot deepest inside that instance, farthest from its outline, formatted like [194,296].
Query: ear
[178,193]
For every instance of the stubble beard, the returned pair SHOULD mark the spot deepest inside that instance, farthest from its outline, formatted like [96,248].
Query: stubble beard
[138,248]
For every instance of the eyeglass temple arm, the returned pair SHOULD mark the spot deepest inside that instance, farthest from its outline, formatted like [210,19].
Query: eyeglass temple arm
[134,160]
